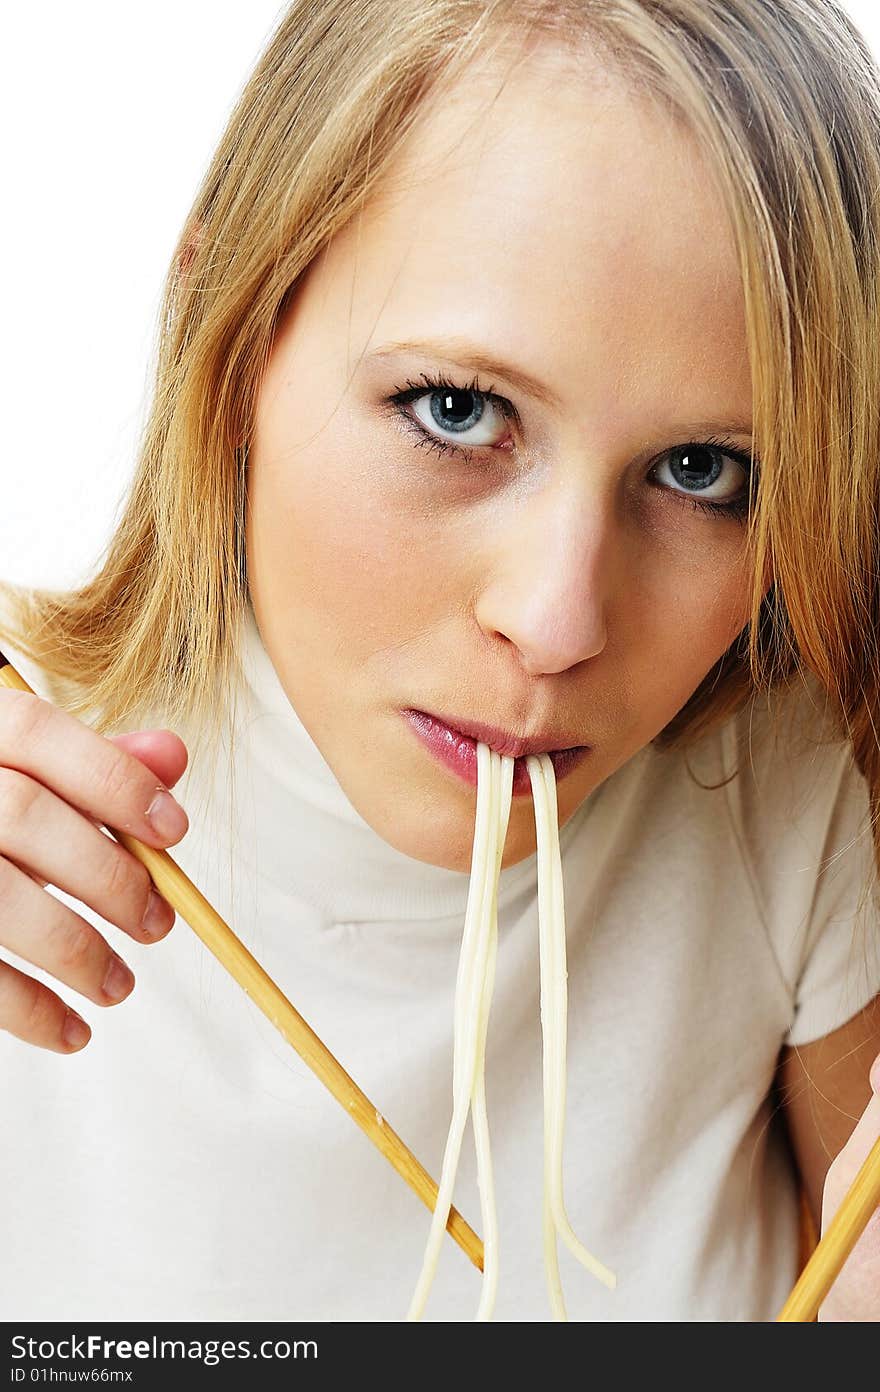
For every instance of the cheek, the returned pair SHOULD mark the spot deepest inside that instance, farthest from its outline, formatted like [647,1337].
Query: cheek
[708,593]
[694,612]
[329,541]
[733,609]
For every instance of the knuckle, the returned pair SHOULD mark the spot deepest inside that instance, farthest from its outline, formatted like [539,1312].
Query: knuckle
[38,1013]
[114,780]
[23,720]
[126,880]
[73,946]
[18,793]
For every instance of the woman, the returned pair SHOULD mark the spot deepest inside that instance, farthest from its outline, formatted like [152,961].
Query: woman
[517,372]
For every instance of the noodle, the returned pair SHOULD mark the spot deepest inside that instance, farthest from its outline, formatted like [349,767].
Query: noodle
[479,1118]
[554,1015]
[473,992]
[474,985]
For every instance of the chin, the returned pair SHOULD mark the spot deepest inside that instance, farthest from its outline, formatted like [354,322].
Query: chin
[448,848]
[451,846]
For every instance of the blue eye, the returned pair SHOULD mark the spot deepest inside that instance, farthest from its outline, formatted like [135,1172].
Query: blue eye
[474,416]
[471,418]
[698,465]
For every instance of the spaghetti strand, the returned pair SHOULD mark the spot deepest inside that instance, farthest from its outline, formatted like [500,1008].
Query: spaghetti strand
[474,987]
[479,1116]
[554,1019]
[474,983]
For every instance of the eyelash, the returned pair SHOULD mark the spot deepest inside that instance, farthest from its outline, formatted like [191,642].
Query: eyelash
[402,396]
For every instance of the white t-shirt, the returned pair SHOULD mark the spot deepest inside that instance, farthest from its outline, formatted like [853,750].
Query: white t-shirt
[188,1165]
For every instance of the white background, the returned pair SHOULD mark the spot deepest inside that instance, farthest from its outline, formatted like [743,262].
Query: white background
[110,115]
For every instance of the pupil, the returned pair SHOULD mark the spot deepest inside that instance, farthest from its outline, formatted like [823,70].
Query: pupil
[694,474]
[456,409]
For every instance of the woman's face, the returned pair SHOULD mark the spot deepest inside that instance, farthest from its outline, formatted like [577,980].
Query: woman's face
[556,578]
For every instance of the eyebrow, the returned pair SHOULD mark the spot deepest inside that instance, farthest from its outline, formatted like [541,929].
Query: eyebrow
[471,356]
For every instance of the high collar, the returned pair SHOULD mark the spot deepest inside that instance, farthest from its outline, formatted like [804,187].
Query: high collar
[310,841]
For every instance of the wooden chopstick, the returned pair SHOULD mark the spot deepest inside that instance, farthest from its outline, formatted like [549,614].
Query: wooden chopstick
[821,1271]
[231,953]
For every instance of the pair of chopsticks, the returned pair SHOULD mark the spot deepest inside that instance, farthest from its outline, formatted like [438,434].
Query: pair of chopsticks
[231,953]
[817,1277]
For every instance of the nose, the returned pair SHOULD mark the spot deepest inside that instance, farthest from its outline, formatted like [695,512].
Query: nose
[550,573]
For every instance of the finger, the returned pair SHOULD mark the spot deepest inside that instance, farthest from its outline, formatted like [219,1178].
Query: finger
[849,1161]
[866,1131]
[32,1012]
[87,770]
[37,879]
[46,933]
[161,750]
[62,847]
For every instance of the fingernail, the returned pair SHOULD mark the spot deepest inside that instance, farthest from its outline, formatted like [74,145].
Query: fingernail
[155,922]
[118,981]
[75,1032]
[167,817]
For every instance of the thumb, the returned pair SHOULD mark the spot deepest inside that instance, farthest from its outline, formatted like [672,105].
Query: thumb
[161,750]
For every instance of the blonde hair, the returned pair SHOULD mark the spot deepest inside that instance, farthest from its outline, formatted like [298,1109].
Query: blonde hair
[783,99]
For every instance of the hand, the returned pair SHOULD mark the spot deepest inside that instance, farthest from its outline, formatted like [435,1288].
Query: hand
[59,780]
[855,1295]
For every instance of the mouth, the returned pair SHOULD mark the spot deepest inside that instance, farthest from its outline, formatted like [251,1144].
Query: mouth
[455,746]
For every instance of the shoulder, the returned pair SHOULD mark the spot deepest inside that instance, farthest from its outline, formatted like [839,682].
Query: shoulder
[796,795]
[801,810]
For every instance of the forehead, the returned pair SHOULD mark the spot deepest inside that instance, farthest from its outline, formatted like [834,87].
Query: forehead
[539,205]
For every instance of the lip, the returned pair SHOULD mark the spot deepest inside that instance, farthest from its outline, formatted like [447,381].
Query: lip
[456,748]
